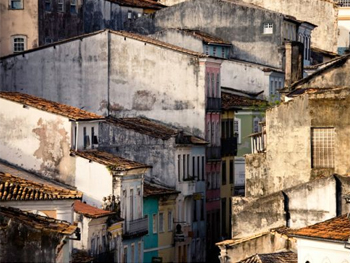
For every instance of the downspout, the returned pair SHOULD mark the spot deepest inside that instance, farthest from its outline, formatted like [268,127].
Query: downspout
[108,68]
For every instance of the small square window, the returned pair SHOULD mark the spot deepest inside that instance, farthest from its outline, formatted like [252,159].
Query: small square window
[268,28]
[60,6]
[16,4]
[19,44]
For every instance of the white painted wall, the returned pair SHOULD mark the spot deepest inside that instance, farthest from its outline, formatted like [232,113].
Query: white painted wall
[244,76]
[344,27]
[36,140]
[321,251]
[94,180]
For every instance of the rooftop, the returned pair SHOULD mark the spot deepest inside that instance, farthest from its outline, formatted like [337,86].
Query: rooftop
[38,222]
[334,229]
[13,188]
[155,129]
[90,211]
[277,257]
[114,162]
[149,4]
[233,100]
[154,190]
[49,106]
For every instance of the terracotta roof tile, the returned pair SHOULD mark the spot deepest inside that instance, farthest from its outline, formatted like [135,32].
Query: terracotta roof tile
[149,4]
[337,229]
[50,106]
[37,221]
[232,100]
[90,211]
[15,188]
[155,129]
[277,257]
[114,162]
[154,190]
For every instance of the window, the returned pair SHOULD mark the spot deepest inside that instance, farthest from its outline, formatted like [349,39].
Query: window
[202,209]
[214,51]
[132,252]
[222,52]
[188,166]
[16,4]
[223,216]
[161,222]
[212,85]
[131,204]
[208,84]
[206,50]
[223,173]
[237,129]
[73,6]
[170,220]
[184,166]
[218,95]
[139,248]
[125,255]
[231,172]
[155,223]
[47,5]
[202,168]
[322,147]
[198,168]
[179,167]
[194,167]
[19,43]
[256,121]
[226,128]
[84,137]
[60,6]
[129,14]
[194,210]
[268,28]
[344,3]
[92,136]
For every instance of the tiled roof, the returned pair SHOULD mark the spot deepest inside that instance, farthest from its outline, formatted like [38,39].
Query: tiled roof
[38,222]
[49,106]
[158,43]
[232,100]
[154,190]
[15,188]
[155,129]
[336,229]
[210,39]
[113,162]
[277,257]
[90,211]
[149,4]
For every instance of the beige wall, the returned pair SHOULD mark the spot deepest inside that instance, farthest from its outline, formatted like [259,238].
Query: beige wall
[18,22]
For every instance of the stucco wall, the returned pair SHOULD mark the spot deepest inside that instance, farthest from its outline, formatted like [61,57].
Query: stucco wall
[226,20]
[322,13]
[244,76]
[36,140]
[68,73]
[18,22]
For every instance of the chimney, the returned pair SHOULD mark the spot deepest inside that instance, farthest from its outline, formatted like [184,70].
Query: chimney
[294,63]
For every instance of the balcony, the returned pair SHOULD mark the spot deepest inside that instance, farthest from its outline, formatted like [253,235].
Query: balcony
[182,231]
[135,228]
[187,187]
[258,142]
[213,153]
[213,104]
[229,146]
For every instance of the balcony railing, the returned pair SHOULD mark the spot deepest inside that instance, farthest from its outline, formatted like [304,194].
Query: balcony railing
[138,227]
[258,141]
[229,146]
[213,104]
[213,153]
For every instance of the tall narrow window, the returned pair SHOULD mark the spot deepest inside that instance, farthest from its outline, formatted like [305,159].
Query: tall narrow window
[48,5]
[194,167]
[322,147]
[139,250]
[208,84]
[214,51]
[231,172]
[132,252]
[170,220]
[203,170]
[184,166]
[154,223]
[222,52]
[198,168]
[129,14]
[212,85]
[84,137]
[223,172]
[194,210]
[161,222]
[218,95]
[237,129]
[206,50]
[92,136]
[188,166]
[131,204]
[179,167]
[60,6]
[73,6]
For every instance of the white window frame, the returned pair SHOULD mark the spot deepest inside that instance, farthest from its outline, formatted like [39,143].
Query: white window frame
[60,6]
[268,28]
[237,129]
[170,220]
[14,43]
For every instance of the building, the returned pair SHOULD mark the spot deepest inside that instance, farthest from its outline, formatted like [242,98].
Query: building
[326,241]
[97,226]
[278,257]
[343,26]
[178,162]
[160,207]
[22,233]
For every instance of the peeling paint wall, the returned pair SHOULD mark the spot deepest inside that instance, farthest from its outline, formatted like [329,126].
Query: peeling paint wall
[226,20]
[322,13]
[141,148]
[18,22]
[37,141]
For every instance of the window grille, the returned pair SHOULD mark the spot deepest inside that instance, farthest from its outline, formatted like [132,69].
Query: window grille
[344,3]
[322,146]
